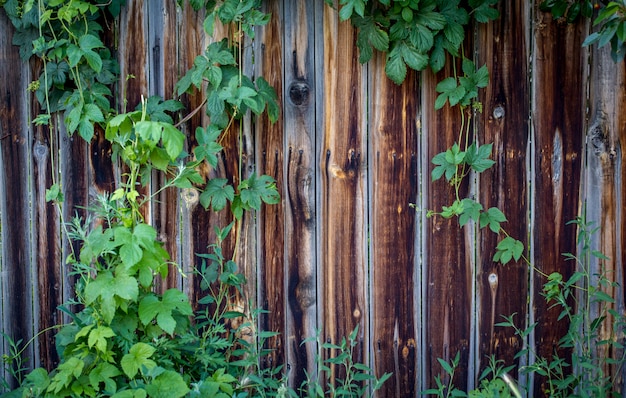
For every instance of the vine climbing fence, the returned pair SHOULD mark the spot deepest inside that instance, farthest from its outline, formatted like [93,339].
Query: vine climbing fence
[350,243]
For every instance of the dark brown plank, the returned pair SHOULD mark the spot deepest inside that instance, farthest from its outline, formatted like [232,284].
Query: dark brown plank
[448,296]
[270,155]
[503,47]
[558,125]
[16,139]
[162,47]
[394,185]
[343,189]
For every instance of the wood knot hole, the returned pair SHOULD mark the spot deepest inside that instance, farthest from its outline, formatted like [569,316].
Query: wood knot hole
[498,112]
[299,93]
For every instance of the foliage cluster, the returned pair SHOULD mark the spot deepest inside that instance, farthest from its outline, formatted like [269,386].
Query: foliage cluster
[127,338]
[611,21]
[417,34]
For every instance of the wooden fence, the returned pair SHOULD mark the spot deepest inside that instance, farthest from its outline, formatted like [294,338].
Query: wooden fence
[350,153]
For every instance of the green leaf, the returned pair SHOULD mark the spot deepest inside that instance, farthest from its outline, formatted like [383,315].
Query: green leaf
[471,211]
[492,217]
[482,10]
[413,58]
[217,193]
[508,249]
[106,287]
[151,308]
[173,140]
[447,163]
[98,338]
[478,158]
[168,384]
[104,373]
[256,189]
[395,68]
[138,357]
[66,373]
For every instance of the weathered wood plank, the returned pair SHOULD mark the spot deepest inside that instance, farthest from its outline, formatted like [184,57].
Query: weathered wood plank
[272,296]
[47,240]
[162,47]
[557,111]
[448,297]
[393,186]
[502,290]
[603,189]
[18,268]
[343,188]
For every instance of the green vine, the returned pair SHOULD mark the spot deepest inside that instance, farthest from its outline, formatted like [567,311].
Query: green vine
[610,21]
[414,34]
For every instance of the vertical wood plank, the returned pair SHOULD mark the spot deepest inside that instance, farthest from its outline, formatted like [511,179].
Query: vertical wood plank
[343,190]
[272,294]
[162,46]
[393,185]
[603,189]
[47,240]
[558,107]
[190,41]
[448,297]
[502,290]
[18,268]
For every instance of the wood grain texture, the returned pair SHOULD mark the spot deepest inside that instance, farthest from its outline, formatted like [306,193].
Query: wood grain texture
[558,125]
[18,266]
[604,191]
[504,48]
[271,272]
[448,297]
[162,47]
[393,186]
[343,190]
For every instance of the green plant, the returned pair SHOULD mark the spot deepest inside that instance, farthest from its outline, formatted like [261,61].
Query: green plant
[494,381]
[595,326]
[611,20]
[77,68]
[338,375]
[413,33]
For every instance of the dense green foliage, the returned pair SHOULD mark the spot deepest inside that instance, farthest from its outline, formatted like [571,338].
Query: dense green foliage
[413,33]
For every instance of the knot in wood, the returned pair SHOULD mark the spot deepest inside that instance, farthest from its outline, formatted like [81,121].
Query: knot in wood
[299,93]
[498,112]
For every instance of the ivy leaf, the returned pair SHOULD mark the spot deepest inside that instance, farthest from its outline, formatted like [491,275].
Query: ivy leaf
[482,10]
[172,300]
[492,217]
[471,211]
[395,68]
[98,338]
[217,193]
[173,140]
[106,287]
[479,158]
[349,7]
[104,373]
[66,373]
[455,17]
[256,189]
[413,58]
[508,249]
[208,147]
[268,94]
[447,163]
[168,384]
[370,35]
[138,356]
[158,109]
